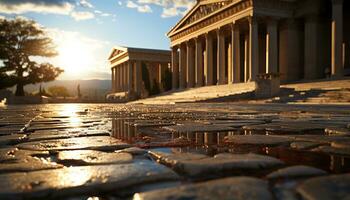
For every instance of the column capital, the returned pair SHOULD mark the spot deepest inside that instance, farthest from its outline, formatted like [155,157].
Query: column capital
[197,39]
[174,48]
[233,25]
[208,35]
[252,19]
[218,31]
[182,45]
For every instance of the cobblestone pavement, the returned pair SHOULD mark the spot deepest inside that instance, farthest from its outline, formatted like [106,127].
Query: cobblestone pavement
[182,151]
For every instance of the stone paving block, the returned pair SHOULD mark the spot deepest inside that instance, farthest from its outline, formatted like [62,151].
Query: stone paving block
[196,165]
[7,130]
[341,144]
[57,127]
[199,128]
[235,123]
[63,134]
[11,123]
[304,145]
[146,123]
[16,160]
[28,164]
[326,187]
[133,151]
[287,127]
[103,143]
[333,150]
[318,138]
[174,157]
[337,131]
[12,153]
[261,140]
[296,172]
[12,139]
[85,180]
[237,188]
[91,157]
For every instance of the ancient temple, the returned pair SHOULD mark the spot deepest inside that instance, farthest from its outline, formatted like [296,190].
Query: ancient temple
[232,41]
[135,71]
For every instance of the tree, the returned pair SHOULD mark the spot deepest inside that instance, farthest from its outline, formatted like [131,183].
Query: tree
[78,91]
[167,80]
[145,77]
[155,88]
[59,91]
[20,41]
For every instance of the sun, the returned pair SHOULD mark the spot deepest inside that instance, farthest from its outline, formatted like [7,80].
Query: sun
[74,56]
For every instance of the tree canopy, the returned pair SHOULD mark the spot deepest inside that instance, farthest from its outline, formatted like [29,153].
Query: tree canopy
[20,41]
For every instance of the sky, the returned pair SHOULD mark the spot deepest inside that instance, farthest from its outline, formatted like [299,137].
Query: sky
[85,31]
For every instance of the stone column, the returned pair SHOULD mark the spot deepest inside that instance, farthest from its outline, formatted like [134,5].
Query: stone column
[183,72]
[229,64]
[311,64]
[190,65]
[337,38]
[220,58]
[122,77]
[119,75]
[116,75]
[159,74]
[113,79]
[175,67]
[236,57]
[253,48]
[138,78]
[199,63]
[246,59]
[209,59]
[130,76]
[125,77]
[271,47]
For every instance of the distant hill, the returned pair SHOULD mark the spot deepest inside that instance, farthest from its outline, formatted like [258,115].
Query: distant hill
[92,88]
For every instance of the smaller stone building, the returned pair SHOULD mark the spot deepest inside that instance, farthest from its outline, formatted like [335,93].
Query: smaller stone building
[139,73]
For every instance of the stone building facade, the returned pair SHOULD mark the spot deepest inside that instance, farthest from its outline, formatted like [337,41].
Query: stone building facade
[136,70]
[232,41]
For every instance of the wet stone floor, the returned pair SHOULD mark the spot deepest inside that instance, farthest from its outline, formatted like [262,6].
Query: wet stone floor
[182,151]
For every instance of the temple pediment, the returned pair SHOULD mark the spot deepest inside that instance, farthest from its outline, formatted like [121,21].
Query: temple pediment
[202,9]
[117,51]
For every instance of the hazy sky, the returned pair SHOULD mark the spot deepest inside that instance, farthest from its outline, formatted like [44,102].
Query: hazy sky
[86,30]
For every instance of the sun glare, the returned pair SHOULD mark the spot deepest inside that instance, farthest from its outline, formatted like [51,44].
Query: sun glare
[74,56]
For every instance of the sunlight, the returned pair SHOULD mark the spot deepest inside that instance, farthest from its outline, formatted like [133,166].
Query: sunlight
[71,110]
[74,56]
[75,176]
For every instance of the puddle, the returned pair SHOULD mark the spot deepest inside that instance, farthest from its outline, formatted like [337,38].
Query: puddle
[153,136]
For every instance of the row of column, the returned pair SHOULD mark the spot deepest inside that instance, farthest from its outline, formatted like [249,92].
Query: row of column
[337,38]
[191,66]
[193,61]
[122,77]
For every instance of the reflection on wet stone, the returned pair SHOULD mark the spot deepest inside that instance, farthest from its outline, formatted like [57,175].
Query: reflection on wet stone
[201,166]
[103,143]
[91,157]
[239,188]
[195,151]
[86,180]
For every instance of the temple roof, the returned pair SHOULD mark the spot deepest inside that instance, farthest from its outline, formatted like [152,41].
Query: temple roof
[201,9]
